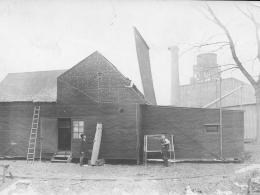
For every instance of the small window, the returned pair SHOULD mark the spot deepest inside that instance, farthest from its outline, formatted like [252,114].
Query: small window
[212,128]
[78,129]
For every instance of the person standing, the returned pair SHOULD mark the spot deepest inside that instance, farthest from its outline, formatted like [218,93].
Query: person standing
[83,149]
[165,145]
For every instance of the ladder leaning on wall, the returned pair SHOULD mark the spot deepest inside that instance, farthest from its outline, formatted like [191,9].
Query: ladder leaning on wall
[33,135]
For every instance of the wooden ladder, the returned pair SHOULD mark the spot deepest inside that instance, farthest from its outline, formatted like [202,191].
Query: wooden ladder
[33,135]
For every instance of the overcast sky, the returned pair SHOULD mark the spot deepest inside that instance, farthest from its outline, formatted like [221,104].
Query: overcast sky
[47,35]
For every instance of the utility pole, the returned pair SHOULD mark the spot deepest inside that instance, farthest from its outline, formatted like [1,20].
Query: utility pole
[220,117]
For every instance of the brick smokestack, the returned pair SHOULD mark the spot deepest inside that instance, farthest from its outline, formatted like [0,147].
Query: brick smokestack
[175,82]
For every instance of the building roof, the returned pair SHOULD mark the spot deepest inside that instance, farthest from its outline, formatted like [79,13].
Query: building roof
[41,86]
[235,92]
[30,86]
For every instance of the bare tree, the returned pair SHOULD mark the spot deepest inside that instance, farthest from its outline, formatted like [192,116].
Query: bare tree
[211,15]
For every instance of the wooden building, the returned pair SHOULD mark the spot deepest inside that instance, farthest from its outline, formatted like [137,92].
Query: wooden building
[73,101]
[237,95]
[203,93]
[249,120]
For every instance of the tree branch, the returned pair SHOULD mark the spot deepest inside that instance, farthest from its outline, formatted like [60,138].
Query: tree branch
[232,47]
[256,24]
[224,43]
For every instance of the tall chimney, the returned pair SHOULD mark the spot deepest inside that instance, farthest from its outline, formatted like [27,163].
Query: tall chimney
[175,82]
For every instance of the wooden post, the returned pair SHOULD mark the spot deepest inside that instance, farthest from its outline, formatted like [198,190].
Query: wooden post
[137,135]
[220,119]
[173,149]
[41,140]
[170,148]
[145,149]
[4,171]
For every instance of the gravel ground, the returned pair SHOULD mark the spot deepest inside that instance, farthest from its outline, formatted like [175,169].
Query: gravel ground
[181,178]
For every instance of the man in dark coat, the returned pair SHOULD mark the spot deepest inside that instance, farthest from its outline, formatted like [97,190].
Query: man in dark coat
[83,148]
[165,145]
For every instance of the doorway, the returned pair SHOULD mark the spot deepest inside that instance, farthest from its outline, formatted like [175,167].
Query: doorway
[64,134]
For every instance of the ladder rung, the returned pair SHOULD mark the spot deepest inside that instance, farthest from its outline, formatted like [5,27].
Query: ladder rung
[29,153]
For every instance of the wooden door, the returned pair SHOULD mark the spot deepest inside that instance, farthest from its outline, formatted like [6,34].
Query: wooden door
[64,134]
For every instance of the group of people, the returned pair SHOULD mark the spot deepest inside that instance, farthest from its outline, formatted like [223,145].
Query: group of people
[165,145]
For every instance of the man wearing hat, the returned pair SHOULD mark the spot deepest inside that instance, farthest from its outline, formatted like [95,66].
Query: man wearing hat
[83,148]
[165,144]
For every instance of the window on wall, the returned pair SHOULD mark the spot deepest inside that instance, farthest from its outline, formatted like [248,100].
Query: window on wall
[78,129]
[212,128]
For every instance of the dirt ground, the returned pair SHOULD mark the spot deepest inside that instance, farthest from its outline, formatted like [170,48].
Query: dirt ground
[181,178]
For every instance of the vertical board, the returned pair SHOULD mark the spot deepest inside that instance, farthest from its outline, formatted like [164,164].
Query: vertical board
[96,144]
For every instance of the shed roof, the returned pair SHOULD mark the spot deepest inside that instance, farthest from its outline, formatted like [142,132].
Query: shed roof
[201,94]
[30,86]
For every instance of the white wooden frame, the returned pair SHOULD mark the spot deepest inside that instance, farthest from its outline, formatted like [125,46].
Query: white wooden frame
[146,151]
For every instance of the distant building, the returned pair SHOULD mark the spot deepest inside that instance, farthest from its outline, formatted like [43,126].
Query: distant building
[206,68]
[204,92]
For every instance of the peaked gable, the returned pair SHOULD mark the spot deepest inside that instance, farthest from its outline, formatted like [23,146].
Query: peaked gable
[99,80]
